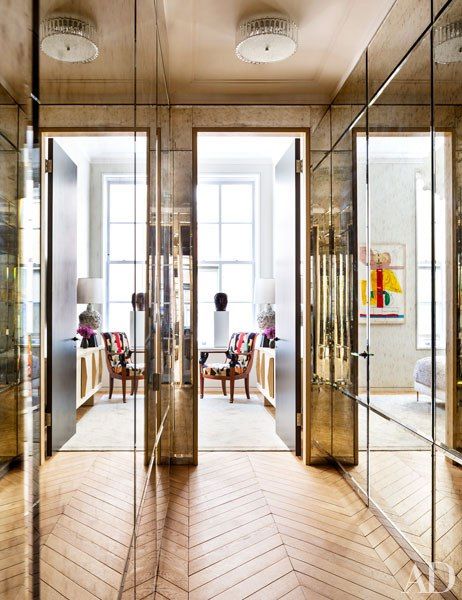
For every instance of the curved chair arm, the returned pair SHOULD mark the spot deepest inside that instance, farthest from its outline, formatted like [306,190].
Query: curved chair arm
[203,358]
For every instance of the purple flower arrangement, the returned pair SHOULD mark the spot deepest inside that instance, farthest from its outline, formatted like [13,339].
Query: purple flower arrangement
[270,332]
[85,331]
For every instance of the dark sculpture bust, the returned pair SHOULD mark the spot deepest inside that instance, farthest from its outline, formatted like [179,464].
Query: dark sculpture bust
[138,301]
[221,301]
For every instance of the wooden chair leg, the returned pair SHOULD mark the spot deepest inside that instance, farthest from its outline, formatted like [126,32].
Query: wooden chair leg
[111,386]
[223,386]
[132,389]
[247,388]
[202,386]
[124,387]
[231,386]
[136,384]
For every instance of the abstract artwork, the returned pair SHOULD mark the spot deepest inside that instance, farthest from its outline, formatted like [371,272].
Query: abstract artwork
[387,283]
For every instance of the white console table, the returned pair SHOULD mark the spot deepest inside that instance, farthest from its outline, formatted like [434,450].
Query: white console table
[89,374]
[266,372]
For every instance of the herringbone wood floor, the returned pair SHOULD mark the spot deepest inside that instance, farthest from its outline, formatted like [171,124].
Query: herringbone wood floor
[86,522]
[240,525]
[263,526]
[401,486]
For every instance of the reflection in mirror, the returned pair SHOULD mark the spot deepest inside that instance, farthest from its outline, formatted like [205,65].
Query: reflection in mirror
[19,355]
[393,40]
[348,105]
[448,542]
[344,302]
[321,139]
[321,275]
[401,480]
[19,310]
[447,73]
[360,470]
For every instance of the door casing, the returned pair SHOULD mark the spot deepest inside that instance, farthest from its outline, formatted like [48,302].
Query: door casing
[304,134]
[45,134]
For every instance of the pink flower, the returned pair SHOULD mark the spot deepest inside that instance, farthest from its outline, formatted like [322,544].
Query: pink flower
[85,331]
[270,332]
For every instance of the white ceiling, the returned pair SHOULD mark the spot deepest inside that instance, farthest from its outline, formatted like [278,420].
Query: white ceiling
[105,149]
[201,49]
[242,148]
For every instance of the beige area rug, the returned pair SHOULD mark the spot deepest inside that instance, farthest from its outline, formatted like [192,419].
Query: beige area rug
[243,425]
[109,425]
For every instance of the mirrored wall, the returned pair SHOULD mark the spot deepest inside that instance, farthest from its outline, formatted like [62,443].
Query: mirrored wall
[85,517]
[386,192]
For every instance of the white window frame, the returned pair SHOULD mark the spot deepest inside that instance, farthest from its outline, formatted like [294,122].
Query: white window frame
[108,179]
[236,179]
[424,342]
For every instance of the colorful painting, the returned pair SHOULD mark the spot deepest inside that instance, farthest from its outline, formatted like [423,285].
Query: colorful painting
[387,283]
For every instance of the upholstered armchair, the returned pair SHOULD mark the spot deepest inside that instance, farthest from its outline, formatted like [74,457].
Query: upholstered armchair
[119,362]
[238,364]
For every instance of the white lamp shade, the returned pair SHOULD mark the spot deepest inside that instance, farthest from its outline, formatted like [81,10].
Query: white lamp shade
[89,290]
[264,291]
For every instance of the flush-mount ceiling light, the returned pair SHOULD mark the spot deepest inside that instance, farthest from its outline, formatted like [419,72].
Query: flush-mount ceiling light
[266,39]
[448,43]
[68,39]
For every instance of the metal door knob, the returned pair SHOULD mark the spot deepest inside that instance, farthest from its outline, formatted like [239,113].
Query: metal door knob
[363,354]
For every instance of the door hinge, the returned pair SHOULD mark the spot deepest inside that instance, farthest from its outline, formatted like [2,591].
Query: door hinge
[299,420]
[299,165]
[156,382]
[47,419]
[48,165]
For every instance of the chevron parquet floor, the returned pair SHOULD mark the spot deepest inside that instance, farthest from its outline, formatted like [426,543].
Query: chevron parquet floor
[86,522]
[401,485]
[262,526]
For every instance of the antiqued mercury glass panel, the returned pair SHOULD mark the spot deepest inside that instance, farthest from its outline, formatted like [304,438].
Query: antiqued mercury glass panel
[19,309]
[344,302]
[447,114]
[348,105]
[399,252]
[400,29]
[322,346]
[320,140]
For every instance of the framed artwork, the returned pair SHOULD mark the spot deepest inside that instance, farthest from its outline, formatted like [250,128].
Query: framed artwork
[387,283]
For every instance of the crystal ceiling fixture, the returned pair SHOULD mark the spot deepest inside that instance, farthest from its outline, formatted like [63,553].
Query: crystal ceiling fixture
[266,39]
[448,43]
[68,39]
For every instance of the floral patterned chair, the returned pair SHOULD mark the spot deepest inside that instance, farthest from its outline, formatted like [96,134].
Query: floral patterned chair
[119,362]
[238,364]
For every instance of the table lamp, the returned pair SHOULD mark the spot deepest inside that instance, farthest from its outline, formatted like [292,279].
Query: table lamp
[264,294]
[89,292]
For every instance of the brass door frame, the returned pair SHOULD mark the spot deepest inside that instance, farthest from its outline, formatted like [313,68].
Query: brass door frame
[304,134]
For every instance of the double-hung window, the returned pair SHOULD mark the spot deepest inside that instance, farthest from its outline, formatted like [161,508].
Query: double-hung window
[424,267]
[226,251]
[126,248]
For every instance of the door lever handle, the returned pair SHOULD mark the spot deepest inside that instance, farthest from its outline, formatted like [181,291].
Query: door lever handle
[362,354]
[74,339]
